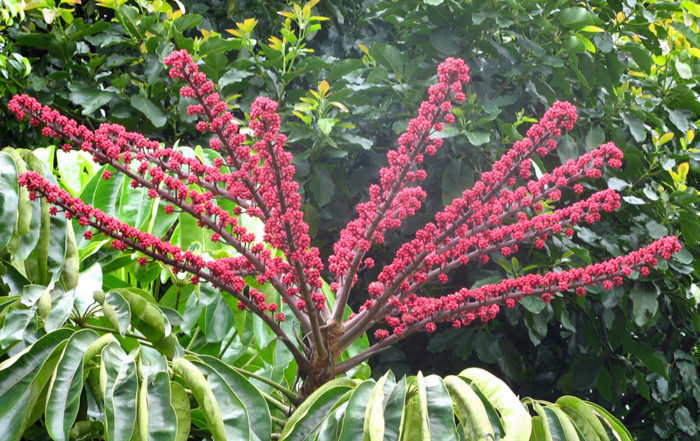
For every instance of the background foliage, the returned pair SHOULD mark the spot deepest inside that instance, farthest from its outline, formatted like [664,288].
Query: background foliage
[348,86]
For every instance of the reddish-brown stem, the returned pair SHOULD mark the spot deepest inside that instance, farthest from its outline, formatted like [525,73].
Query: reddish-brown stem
[351,362]
[206,221]
[345,282]
[299,270]
[256,197]
[203,275]
[362,321]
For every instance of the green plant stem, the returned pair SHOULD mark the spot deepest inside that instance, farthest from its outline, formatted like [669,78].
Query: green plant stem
[194,337]
[293,396]
[228,344]
[278,421]
[114,331]
[277,403]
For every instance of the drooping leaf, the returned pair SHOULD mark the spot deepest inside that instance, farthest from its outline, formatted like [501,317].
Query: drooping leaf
[9,198]
[204,395]
[66,385]
[119,385]
[307,418]
[515,419]
[250,396]
[18,390]
[352,427]
[156,402]
[471,411]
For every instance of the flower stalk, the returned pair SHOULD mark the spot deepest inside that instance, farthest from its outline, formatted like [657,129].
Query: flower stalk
[505,209]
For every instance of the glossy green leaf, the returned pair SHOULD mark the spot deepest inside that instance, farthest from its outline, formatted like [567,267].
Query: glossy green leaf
[135,206]
[576,17]
[619,429]
[204,395]
[422,407]
[22,377]
[544,430]
[117,311]
[388,56]
[107,192]
[250,396]
[235,417]
[218,320]
[471,411]
[181,403]
[24,209]
[354,418]
[516,420]
[154,114]
[66,385]
[119,385]
[156,403]
[440,410]
[374,413]
[308,417]
[583,417]
[9,198]
[567,426]
[393,410]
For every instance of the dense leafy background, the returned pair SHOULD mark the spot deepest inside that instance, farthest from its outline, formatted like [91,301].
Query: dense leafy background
[630,67]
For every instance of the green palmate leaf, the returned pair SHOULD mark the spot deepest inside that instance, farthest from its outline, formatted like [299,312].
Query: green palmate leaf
[203,393]
[156,411]
[9,198]
[66,385]
[470,410]
[312,412]
[515,419]
[250,396]
[352,427]
[22,378]
[119,385]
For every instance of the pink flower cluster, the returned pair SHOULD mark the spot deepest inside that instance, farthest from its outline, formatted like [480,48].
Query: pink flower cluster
[465,305]
[263,175]
[504,209]
[393,200]
[225,272]
[285,228]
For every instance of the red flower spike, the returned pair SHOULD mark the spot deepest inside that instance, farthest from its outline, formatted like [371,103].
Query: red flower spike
[502,211]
